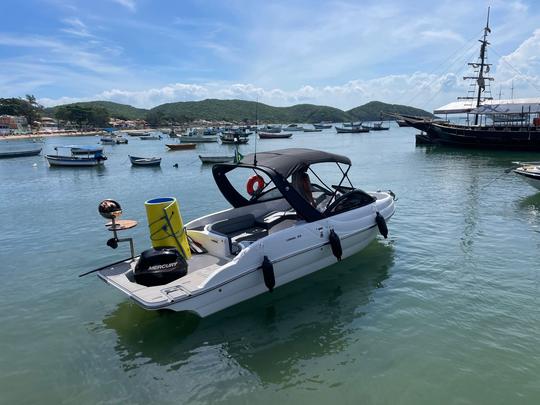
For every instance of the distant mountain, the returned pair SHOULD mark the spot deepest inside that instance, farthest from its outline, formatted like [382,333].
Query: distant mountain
[372,111]
[116,110]
[241,110]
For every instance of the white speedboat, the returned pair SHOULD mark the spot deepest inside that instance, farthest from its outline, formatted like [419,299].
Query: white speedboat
[273,234]
[197,135]
[294,128]
[530,172]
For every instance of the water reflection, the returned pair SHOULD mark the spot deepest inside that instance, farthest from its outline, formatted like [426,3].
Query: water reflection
[267,335]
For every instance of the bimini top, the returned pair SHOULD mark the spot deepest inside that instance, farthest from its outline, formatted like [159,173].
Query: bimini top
[287,161]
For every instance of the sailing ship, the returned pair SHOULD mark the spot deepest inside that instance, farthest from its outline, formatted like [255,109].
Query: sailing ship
[512,124]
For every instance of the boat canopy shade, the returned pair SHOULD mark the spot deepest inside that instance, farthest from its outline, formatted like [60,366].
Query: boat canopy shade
[457,107]
[288,161]
[278,165]
[516,106]
[82,148]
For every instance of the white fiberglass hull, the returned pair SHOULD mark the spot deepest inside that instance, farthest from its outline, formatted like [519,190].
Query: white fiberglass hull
[294,252]
[531,174]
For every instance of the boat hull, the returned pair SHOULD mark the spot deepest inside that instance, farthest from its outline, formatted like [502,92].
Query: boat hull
[293,252]
[273,135]
[21,153]
[531,174]
[141,161]
[511,138]
[181,146]
[352,130]
[74,161]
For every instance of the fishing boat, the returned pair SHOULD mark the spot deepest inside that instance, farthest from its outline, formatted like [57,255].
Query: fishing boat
[119,139]
[273,235]
[377,126]
[199,136]
[512,124]
[274,135]
[530,172]
[294,128]
[150,138]
[322,126]
[273,129]
[352,130]
[312,130]
[144,161]
[107,140]
[19,149]
[232,137]
[353,124]
[181,146]
[65,157]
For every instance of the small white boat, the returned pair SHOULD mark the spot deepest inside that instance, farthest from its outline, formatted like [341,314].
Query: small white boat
[144,161]
[322,126]
[530,172]
[93,157]
[275,235]
[216,158]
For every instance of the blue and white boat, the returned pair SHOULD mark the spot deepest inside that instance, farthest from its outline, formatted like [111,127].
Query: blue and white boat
[84,157]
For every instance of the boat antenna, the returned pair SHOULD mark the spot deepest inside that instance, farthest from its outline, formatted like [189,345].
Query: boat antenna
[480,78]
[256,129]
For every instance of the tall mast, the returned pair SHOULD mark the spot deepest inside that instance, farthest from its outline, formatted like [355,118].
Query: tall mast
[481,79]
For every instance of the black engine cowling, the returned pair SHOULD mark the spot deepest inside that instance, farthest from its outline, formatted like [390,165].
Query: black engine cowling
[159,266]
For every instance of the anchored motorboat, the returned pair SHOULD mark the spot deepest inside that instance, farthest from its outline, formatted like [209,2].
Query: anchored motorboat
[85,156]
[530,172]
[282,226]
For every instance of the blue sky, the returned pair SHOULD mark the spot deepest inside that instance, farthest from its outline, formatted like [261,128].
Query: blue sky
[339,53]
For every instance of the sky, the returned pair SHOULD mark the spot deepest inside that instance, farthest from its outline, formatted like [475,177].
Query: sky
[338,53]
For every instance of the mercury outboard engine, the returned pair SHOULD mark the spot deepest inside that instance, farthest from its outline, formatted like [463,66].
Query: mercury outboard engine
[160,266]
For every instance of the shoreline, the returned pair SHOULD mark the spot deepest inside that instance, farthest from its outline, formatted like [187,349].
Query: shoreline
[48,135]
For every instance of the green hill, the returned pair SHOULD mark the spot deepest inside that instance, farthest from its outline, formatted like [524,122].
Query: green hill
[116,110]
[241,110]
[372,111]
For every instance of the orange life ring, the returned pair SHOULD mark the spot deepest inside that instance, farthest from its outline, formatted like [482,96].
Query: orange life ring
[251,182]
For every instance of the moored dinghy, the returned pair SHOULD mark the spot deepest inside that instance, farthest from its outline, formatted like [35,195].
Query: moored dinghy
[86,156]
[144,161]
[278,232]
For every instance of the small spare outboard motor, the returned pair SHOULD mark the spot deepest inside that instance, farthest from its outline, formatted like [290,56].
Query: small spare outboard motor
[160,266]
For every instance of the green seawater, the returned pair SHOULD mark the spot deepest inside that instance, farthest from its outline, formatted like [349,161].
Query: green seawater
[445,311]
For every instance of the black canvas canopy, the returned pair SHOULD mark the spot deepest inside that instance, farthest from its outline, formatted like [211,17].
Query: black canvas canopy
[278,165]
[288,161]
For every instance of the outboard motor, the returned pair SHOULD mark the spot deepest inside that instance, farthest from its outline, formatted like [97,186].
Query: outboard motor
[160,266]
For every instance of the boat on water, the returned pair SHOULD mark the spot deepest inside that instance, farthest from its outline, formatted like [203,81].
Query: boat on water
[181,146]
[376,126]
[144,161]
[232,137]
[273,129]
[512,125]
[199,136]
[107,140]
[352,130]
[278,232]
[216,158]
[150,138]
[322,126]
[294,128]
[85,156]
[19,149]
[530,172]
[274,135]
[312,130]
[353,124]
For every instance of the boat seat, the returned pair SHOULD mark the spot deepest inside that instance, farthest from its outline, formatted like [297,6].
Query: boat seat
[238,229]
[273,218]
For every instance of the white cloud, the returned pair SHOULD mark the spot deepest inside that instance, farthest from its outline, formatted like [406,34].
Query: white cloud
[129,4]
[76,27]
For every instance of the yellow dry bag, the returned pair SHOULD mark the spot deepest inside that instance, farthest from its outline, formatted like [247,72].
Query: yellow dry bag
[165,224]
